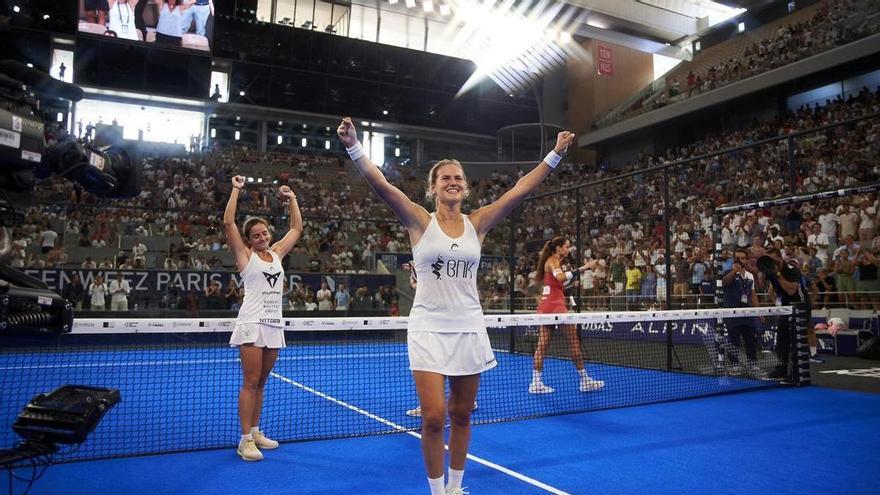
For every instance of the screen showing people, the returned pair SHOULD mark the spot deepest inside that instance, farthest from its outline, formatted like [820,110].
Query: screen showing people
[173,23]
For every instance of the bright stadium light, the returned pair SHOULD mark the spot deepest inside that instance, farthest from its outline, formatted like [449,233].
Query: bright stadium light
[444,9]
[304,142]
[428,6]
[280,139]
[237,135]
[392,2]
[326,145]
[514,45]
[410,4]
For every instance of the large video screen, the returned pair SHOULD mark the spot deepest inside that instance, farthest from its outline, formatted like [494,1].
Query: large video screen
[173,23]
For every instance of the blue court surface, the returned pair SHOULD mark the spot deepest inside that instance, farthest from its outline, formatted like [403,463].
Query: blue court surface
[779,441]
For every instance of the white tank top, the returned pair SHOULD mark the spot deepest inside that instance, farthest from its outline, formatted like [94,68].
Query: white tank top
[263,288]
[446,297]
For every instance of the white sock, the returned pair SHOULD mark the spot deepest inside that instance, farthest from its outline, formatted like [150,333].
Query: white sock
[247,438]
[536,376]
[583,374]
[455,477]
[436,485]
[255,430]
[813,350]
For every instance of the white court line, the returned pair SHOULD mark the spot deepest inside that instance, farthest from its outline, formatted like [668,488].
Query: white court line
[196,361]
[398,427]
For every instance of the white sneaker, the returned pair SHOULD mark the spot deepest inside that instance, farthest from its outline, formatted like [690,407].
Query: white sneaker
[248,451]
[264,442]
[456,491]
[416,413]
[539,388]
[589,385]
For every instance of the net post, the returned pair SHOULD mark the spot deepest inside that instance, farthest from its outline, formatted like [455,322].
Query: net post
[718,271]
[667,248]
[800,352]
[511,264]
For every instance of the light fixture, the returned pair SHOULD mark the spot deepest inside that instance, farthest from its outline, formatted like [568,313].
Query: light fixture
[396,152]
[16,9]
[428,6]
[250,179]
[327,145]
[241,93]
[280,139]
[45,17]
[741,27]
[237,117]
[260,180]
[304,142]
[305,126]
[364,123]
[392,2]
[30,65]
[444,9]
[237,135]
[213,133]
[280,122]
[60,117]
[384,112]
[410,4]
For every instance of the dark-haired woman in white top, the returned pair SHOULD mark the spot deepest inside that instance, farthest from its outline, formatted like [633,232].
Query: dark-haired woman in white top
[259,328]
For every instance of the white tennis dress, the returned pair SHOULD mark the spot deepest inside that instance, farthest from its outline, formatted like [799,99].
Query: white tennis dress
[259,320]
[446,332]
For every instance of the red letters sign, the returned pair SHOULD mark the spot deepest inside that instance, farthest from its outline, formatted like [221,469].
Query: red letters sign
[606,61]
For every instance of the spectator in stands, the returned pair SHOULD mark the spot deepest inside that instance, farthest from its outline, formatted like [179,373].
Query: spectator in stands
[633,284]
[310,304]
[200,10]
[107,263]
[57,258]
[681,270]
[89,263]
[98,291]
[170,29]
[868,284]
[119,290]
[122,19]
[74,292]
[232,293]
[324,297]
[48,238]
[343,298]
[213,297]
[362,300]
[96,11]
[170,263]
[844,268]
[826,288]
[139,251]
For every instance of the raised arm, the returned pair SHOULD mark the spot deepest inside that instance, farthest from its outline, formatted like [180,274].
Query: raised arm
[233,236]
[412,216]
[488,216]
[283,246]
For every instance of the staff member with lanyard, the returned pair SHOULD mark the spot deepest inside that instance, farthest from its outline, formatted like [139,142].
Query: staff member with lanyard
[738,285]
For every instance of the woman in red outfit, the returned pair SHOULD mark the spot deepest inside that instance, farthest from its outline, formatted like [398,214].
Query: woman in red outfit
[553,301]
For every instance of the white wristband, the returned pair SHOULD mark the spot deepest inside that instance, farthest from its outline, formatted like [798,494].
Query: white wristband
[569,275]
[552,159]
[356,151]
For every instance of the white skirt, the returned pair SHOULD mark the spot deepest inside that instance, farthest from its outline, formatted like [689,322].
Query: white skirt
[259,335]
[450,354]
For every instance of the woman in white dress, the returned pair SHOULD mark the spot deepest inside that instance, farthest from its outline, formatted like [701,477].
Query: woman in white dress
[259,328]
[446,332]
